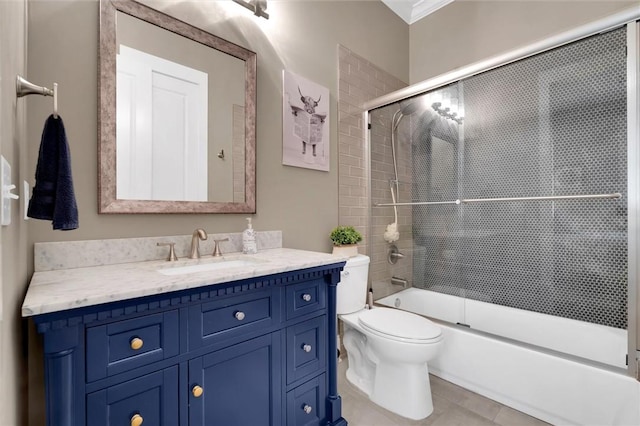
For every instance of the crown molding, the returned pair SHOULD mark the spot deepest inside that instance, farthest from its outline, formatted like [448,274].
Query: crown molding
[413,10]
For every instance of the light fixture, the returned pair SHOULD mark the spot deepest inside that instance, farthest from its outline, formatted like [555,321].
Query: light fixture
[258,7]
[447,107]
[447,112]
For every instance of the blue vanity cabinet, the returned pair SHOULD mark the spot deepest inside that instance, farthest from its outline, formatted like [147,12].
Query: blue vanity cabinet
[259,351]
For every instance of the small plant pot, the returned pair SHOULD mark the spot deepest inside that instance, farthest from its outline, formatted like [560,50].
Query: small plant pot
[349,250]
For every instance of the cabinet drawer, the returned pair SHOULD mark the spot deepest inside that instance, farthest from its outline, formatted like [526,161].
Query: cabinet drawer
[230,317]
[306,348]
[306,403]
[304,298]
[123,345]
[154,398]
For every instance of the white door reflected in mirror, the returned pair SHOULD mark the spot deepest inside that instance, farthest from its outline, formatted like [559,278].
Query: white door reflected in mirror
[161,129]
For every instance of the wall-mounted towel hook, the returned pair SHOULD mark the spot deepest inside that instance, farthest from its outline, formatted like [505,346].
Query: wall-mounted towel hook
[55,100]
[25,87]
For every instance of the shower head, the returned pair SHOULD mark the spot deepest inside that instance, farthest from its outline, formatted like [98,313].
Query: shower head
[406,107]
[409,106]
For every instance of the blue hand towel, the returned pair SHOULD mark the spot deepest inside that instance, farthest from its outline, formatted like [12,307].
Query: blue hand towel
[53,196]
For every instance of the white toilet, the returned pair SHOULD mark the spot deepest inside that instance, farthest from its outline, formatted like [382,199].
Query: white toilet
[388,349]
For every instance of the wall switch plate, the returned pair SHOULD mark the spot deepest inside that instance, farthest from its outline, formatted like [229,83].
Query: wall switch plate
[7,196]
[26,195]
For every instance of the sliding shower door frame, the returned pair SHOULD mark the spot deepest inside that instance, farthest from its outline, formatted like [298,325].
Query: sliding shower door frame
[627,17]
[633,188]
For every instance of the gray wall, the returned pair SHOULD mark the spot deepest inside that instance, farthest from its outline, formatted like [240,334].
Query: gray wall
[13,239]
[300,36]
[465,32]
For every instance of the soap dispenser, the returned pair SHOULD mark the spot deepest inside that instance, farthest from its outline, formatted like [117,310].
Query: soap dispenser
[249,245]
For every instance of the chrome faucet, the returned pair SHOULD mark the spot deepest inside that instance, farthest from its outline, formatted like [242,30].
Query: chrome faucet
[198,234]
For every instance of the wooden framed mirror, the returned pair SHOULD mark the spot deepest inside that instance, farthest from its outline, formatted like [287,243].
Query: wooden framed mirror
[177,116]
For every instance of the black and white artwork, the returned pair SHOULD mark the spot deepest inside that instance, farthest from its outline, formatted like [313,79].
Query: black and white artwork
[305,112]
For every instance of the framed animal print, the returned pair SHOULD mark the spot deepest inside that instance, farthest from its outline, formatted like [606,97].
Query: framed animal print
[305,126]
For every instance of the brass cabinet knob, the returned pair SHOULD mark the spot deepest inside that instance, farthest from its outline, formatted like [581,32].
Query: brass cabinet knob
[136,343]
[197,391]
[239,315]
[136,420]
[306,297]
[307,409]
[306,348]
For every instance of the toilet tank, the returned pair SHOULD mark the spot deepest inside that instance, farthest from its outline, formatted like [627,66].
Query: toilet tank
[352,289]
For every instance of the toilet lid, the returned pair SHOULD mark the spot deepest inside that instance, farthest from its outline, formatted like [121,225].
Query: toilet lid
[397,323]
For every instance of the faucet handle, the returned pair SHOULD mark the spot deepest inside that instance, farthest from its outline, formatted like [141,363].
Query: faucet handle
[216,247]
[172,252]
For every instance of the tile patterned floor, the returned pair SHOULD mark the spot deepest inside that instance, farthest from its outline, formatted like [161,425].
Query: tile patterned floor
[453,406]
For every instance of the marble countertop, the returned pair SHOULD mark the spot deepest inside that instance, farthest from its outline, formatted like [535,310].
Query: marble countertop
[59,290]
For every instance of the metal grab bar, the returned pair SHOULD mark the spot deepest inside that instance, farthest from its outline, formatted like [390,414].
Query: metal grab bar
[549,198]
[614,195]
[417,203]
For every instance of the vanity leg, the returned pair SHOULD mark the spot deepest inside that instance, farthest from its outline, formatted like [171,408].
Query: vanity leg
[334,402]
[64,371]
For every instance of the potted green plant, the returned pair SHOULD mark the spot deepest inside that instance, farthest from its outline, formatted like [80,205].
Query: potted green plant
[345,240]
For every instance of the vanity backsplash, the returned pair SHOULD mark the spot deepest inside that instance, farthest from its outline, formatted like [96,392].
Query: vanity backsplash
[52,256]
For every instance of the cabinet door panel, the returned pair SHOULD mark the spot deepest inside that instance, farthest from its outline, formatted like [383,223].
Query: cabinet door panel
[153,397]
[242,385]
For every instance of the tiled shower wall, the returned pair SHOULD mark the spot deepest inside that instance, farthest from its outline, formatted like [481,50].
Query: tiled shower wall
[359,82]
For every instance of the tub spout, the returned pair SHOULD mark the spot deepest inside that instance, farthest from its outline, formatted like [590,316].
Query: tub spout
[399,281]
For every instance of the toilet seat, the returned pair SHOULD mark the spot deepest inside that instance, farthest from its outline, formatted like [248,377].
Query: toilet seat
[400,325]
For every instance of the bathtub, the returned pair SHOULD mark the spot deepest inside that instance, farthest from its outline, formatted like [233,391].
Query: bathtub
[532,372]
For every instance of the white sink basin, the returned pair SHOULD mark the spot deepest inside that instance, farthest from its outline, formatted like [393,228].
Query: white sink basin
[207,267]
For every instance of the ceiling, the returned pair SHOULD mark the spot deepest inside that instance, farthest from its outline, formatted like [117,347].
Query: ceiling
[414,10]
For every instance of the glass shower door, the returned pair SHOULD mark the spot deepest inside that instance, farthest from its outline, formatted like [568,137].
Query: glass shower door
[550,125]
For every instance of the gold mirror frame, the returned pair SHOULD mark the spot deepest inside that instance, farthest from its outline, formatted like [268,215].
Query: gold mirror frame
[107,201]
